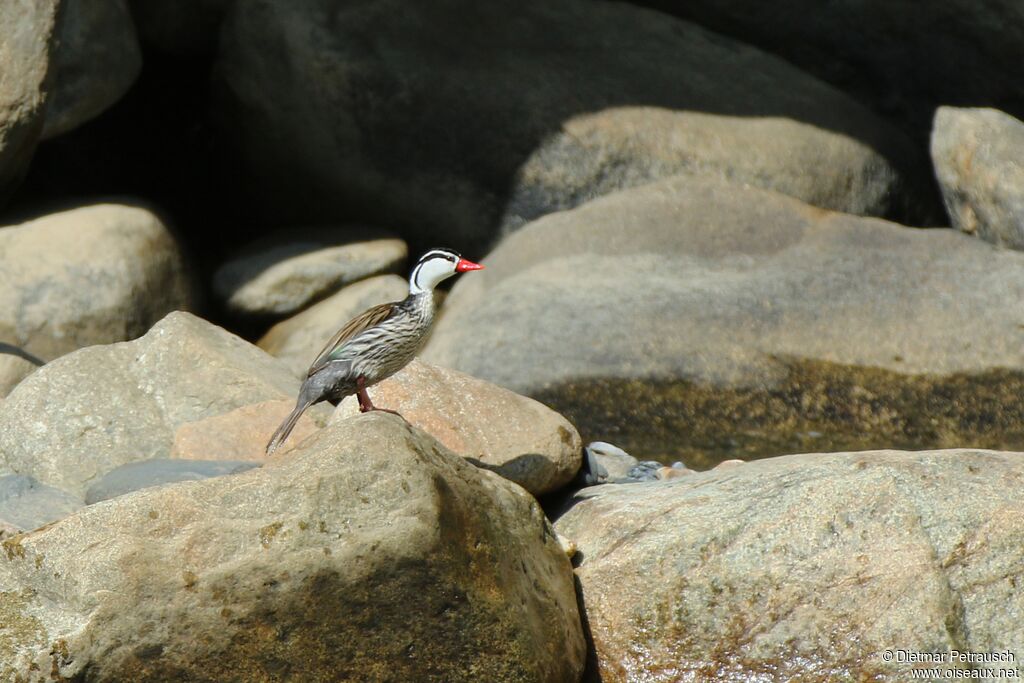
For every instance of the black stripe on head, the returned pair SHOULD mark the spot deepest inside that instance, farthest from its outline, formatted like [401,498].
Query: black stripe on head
[440,252]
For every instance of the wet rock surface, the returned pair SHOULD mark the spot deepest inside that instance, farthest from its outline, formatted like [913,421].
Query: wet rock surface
[802,566]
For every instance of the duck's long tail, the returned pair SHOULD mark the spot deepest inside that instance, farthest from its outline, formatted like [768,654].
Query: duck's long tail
[287,426]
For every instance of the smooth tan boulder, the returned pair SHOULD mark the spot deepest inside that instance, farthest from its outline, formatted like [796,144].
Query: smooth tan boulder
[372,553]
[94,274]
[515,436]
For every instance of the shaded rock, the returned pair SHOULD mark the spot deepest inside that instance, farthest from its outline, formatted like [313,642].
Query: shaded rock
[97,59]
[25,504]
[91,275]
[427,125]
[517,437]
[240,434]
[371,554]
[30,31]
[85,413]
[978,161]
[177,27]
[889,53]
[14,367]
[699,320]
[298,340]
[596,154]
[283,274]
[803,566]
[141,475]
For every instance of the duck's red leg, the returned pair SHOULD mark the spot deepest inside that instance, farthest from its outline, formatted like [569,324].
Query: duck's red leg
[365,404]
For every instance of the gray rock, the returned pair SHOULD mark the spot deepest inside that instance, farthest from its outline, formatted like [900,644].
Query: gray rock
[609,460]
[979,161]
[97,59]
[451,109]
[30,32]
[90,411]
[140,475]
[370,554]
[91,275]
[182,28]
[807,563]
[25,504]
[517,437]
[645,470]
[904,57]
[284,274]
[297,340]
[700,320]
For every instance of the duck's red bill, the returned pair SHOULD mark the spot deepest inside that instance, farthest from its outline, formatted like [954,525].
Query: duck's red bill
[463,265]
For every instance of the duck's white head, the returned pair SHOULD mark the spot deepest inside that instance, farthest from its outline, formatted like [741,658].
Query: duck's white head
[436,266]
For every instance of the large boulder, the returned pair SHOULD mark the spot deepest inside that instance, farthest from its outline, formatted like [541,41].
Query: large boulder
[96,61]
[431,117]
[512,435]
[87,412]
[904,57]
[29,31]
[978,157]
[91,275]
[282,274]
[700,320]
[805,567]
[371,554]
[297,340]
